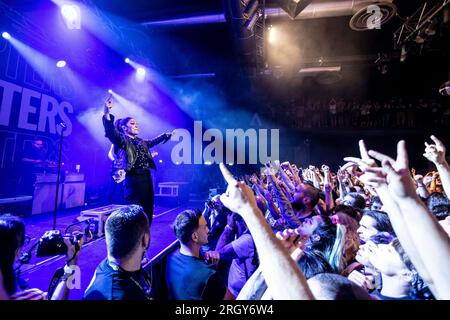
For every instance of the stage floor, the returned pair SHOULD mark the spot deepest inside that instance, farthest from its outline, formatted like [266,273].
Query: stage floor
[40,270]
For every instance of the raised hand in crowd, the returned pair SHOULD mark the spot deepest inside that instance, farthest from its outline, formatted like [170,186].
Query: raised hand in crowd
[417,229]
[283,277]
[436,154]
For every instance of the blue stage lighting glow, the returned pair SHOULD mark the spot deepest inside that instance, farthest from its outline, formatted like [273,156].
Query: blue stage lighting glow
[6,35]
[127,60]
[141,71]
[72,16]
[61,64]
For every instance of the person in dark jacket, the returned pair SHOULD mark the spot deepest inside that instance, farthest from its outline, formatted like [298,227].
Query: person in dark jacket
[132,154]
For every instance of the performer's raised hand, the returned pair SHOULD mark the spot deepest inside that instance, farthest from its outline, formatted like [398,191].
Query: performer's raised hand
[108,105]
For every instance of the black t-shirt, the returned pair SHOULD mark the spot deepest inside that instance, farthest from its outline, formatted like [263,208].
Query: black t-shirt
[114,284]
[191,278]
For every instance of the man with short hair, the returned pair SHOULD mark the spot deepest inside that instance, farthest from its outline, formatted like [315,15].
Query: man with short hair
[305,200]
[120,276]
[188,276]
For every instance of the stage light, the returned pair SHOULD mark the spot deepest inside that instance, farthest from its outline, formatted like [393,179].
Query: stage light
[403,54]
[61,64]
[208,163]
[140,74]
[127,60]
[250,9]
[250,23]
[272,35]
[110,91]
[72,16]
[160,161]
[141,71]
[6,35]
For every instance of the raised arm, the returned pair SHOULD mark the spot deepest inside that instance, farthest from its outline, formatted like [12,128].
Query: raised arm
[283,276]
[286,179]
[376,177]
[286,210]
[436,154]
[108,124]
[429,238]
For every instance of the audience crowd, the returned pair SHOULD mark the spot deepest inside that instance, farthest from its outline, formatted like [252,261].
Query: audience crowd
[343,113]
[371,230]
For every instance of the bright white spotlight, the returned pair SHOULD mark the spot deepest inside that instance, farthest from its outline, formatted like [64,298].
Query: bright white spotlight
[127,60]
[110,91]
[61,64]
[140,72]
[72,16]
[272,35]
[6,35]
[160,161]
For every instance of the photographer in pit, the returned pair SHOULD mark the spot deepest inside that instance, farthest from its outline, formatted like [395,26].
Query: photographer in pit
[12,238]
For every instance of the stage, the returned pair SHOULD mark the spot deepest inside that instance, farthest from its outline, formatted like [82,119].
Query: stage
[39,272]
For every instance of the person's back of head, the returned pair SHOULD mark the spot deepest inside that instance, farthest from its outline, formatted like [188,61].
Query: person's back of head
[355,200]
[185,224]
[124,230]
[312,263]
[330,286]
[439,205]
[12,237]
[350,211]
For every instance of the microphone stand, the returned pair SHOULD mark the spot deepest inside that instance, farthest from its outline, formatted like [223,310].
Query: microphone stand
[63,128]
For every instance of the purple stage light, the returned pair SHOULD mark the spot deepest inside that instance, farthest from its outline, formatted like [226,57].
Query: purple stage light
[110,91]
[141,72]
[72,16]
[127,60]
[61,64]
[6,35]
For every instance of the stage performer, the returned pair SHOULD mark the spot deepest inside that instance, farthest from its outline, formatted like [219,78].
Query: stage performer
[132,154]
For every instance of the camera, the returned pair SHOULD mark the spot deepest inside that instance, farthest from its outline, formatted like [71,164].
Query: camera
[52,243]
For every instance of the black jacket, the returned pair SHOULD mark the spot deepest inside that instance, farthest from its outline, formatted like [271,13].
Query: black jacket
[124,148]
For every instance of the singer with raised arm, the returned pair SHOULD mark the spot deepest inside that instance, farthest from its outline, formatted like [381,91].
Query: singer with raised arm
[132,154]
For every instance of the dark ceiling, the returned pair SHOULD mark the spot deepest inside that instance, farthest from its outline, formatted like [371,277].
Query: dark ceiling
[211,48]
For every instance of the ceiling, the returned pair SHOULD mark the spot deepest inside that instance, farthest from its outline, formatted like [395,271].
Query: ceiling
[211,48]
